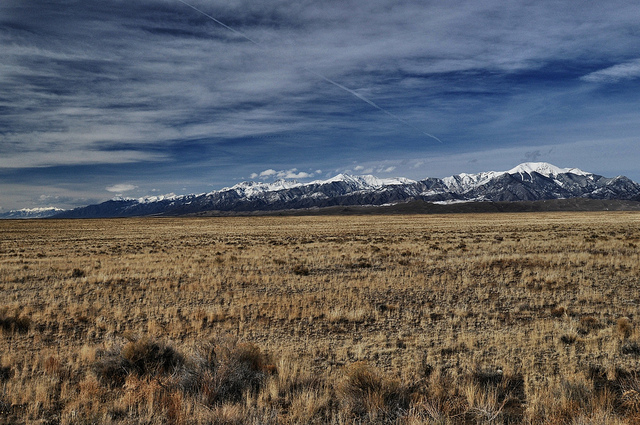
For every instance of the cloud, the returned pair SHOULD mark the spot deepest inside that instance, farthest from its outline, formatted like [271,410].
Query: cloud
[359,168]
[31,159]
[615,73]
[292,173]
[122,187]
[268,173]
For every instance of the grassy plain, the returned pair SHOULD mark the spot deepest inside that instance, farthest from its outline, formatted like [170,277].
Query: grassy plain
[423,319]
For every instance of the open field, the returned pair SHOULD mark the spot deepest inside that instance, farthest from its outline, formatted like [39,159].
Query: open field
[457,319]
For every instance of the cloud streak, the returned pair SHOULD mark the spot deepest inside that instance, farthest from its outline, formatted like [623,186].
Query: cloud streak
[615,73]
[292,173]
[121,187]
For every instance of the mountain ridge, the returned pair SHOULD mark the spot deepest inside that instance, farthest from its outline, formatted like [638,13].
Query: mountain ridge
[527,182]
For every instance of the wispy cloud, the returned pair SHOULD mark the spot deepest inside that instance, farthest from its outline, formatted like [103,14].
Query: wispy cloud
[31,159]
[121,187]
[292,173]
[615,73]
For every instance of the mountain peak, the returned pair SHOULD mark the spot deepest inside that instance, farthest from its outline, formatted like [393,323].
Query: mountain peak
[345,189]
[367,180]
[545,169]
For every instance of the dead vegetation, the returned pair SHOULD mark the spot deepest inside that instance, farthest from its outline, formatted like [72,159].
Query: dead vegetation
[465,319]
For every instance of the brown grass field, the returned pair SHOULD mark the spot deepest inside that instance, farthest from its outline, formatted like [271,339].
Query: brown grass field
[422,319]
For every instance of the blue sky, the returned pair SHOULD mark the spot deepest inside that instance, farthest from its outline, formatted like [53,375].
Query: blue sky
[146,97]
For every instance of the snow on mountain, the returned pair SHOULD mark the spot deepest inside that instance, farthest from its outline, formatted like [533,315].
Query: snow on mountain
[158,198]
[529,181]
[545,169]
[32,212]
[365,182]
[464,182]
[253,189]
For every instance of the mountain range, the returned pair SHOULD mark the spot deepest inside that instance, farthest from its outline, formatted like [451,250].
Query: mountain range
[532,181]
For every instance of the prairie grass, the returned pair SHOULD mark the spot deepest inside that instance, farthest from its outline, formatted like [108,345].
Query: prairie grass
[456,319]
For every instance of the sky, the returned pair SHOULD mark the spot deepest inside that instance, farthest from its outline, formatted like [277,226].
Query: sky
[110,98]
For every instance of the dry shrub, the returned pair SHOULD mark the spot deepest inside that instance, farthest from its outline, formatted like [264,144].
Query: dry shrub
[588,324]
[630,347]
[629,395]
[569,338]
[52,366]
[13,322]
[301,270]
[142,357]
[88,405]
[77,273]
[227,369]
[566,402]
[498,395]
[440,398]
[228,414]
[310,406]
[624,327]
[5,373]
[367,393]
[146,397]
[147,357]
[305,396]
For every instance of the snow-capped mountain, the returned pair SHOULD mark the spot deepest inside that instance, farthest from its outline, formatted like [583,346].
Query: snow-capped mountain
[531,181]
[32,213]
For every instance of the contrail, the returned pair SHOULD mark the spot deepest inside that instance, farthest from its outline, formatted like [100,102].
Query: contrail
[317,74]
[370,102]
[219,23]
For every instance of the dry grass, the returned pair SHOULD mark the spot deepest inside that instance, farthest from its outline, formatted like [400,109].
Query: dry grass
[461,319]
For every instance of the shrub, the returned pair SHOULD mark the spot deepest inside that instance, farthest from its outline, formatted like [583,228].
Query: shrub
[624,327]
[301,270]
[142,357]
[229,368]
[630,395]
[630,347]
[5,373]
[13,322]
[501,394]
[588,324]
[76,273]
[366,393]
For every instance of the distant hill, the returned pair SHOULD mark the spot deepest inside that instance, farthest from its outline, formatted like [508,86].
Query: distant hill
[31,213]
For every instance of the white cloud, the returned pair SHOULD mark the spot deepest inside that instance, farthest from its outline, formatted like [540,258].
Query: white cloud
[622,71]
[359,168]
[388,169]
[253,175]
[118,188]
[268,173]
[292,173]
